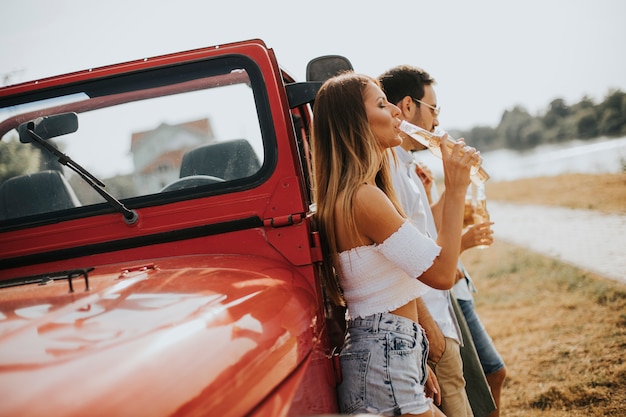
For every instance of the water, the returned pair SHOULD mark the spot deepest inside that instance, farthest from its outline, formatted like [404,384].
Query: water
[593,157]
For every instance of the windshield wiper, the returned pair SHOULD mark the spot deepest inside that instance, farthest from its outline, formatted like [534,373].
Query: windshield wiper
[42,128]
[43,279]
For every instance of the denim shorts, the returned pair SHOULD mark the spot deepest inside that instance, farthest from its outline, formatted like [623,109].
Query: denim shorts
[383,363]
[490,359]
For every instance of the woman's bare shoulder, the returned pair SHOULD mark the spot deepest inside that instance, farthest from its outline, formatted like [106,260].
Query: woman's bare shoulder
[376,216]
[368,190]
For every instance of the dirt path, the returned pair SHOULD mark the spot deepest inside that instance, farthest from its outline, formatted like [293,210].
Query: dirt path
[584,238]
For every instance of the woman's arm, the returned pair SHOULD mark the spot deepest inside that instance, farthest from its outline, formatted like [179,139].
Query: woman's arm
[377,219]
[456,166]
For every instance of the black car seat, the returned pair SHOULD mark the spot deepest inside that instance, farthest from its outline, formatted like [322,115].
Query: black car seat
[37,193]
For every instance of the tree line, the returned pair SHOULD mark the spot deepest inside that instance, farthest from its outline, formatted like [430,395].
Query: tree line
[519,130]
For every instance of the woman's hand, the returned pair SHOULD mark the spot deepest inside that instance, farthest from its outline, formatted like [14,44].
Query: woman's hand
[457,162]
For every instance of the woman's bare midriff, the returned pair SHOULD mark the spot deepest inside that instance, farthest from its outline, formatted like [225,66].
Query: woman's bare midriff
[409,311]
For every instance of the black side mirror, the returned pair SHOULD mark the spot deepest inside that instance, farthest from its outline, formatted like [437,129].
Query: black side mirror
[318,70]
[324,67]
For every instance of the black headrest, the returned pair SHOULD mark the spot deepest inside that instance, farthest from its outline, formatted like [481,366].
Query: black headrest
[41,192]
[226,160]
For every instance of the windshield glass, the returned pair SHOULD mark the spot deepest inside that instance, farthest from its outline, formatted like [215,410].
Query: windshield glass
[158,137]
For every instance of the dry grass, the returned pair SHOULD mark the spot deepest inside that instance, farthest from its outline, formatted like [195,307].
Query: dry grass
[604,192]
[561,331]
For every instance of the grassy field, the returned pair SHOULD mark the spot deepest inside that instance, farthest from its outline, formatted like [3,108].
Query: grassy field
[560,330]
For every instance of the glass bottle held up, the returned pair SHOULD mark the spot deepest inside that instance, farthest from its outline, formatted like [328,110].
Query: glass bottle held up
[431,140]
[479,203]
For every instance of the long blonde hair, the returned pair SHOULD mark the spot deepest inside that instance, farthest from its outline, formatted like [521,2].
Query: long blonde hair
[345,155]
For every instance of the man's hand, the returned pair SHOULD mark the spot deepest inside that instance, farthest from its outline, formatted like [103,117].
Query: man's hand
[426,176]
[431,388]
[459,274]
[436,340]
[475,235]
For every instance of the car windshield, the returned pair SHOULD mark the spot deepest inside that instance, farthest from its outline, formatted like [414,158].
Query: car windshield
[153,137]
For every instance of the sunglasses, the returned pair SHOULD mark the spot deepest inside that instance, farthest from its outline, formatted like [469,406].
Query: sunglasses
[436,110]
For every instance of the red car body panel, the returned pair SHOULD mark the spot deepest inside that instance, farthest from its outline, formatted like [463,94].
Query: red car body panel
[147,339]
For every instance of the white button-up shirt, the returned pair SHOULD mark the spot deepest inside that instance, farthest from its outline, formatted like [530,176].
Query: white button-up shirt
[412,196]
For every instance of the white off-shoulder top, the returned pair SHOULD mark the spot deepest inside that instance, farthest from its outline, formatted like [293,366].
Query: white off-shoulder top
[379,278]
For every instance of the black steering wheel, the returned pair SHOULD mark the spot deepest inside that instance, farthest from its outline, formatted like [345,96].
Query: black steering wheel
[190,182]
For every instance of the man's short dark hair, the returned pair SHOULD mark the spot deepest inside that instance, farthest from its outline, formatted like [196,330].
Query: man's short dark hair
[405,80]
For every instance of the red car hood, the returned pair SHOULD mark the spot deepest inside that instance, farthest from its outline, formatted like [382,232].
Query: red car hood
[182,336]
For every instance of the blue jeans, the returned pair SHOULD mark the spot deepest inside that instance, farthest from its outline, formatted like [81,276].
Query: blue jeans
[383,363]
[490,359]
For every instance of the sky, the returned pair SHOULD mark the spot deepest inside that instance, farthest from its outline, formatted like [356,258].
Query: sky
[487,56]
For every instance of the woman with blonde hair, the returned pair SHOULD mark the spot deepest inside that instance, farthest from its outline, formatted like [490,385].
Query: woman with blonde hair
[379,262]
